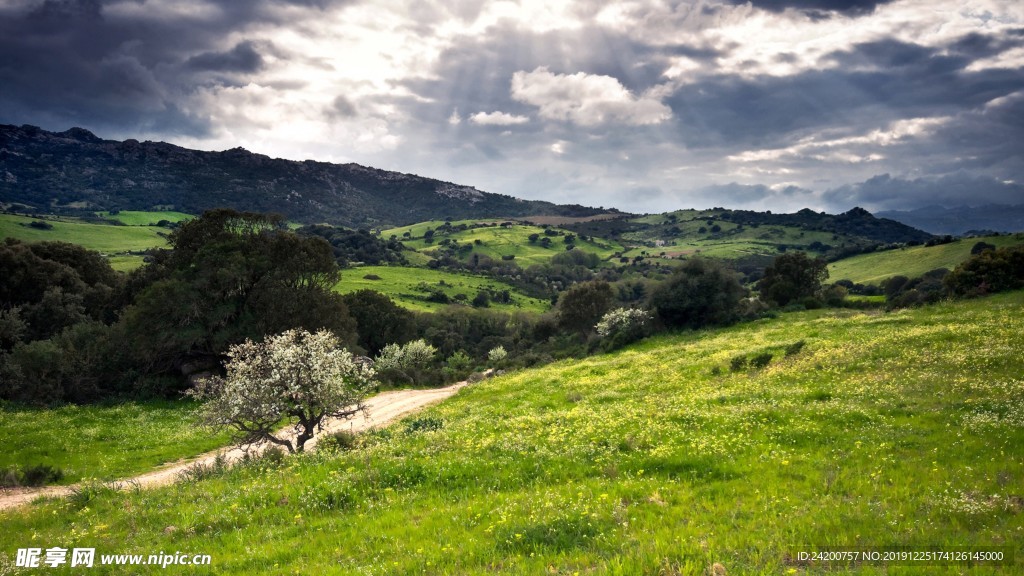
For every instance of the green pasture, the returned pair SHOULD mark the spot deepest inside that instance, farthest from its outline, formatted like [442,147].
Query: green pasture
[100,237]
[496,242]
[113,241]
[912,261]
[409,287]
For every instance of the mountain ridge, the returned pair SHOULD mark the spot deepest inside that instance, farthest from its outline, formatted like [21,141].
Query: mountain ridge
[961,220]
[76,170]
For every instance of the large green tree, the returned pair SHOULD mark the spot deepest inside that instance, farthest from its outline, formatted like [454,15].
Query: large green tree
[792,277]
[379,320]
[230,277]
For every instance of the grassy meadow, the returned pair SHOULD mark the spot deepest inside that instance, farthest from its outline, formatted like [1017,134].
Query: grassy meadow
[864,429]
[495,242]
[105,442]
[406,287]
[912,261]
[100,237]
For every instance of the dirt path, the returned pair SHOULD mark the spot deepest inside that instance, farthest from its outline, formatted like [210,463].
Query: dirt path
[381,410]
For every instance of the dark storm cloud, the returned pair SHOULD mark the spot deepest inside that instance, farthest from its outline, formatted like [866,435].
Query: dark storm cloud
[871,84]
[817,7]
[342,107]
[63,10]
[884,192]
[70,62]
[757,196]
[242,58]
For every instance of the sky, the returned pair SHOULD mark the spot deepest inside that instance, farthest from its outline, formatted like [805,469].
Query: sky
[641,105]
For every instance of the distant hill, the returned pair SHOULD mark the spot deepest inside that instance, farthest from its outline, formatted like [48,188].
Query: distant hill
[962,220]
[74,171]
[745,234]
[912,261]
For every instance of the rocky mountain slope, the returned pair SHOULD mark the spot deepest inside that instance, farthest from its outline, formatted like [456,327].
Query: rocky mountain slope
[77,171]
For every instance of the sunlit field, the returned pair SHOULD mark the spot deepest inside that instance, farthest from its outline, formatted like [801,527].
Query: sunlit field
[912,261]
[858,429]
[104,238]
[512,241]
[411,287]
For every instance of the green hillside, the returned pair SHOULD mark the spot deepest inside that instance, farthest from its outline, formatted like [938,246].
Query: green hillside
[883,429]
[705,232]
[418,229]
[499,241]
[744,234]
[104,238]
[410,287]
[912,261]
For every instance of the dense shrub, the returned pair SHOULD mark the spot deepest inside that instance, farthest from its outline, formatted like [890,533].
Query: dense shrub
[623,326]
[457,366]
[482,299]
[49,286]
[988,272]
[352,246]
[701,293]
[423,424]
[497,354]
[406,363]
[583,305]
[980,247]
[86,362]
[903,292]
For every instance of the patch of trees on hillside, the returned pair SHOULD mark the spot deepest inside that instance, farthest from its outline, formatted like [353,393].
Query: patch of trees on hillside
[357,246]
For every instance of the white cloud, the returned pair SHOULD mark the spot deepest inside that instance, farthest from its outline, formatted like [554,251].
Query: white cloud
[535,15]
[497,119]
[586,99]
[755,42]
[847,149]
[681,68]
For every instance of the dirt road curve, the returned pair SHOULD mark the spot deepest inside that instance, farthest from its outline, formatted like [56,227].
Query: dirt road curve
[381,409]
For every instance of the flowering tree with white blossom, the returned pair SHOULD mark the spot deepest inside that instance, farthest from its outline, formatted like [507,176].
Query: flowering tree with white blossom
[302,377]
